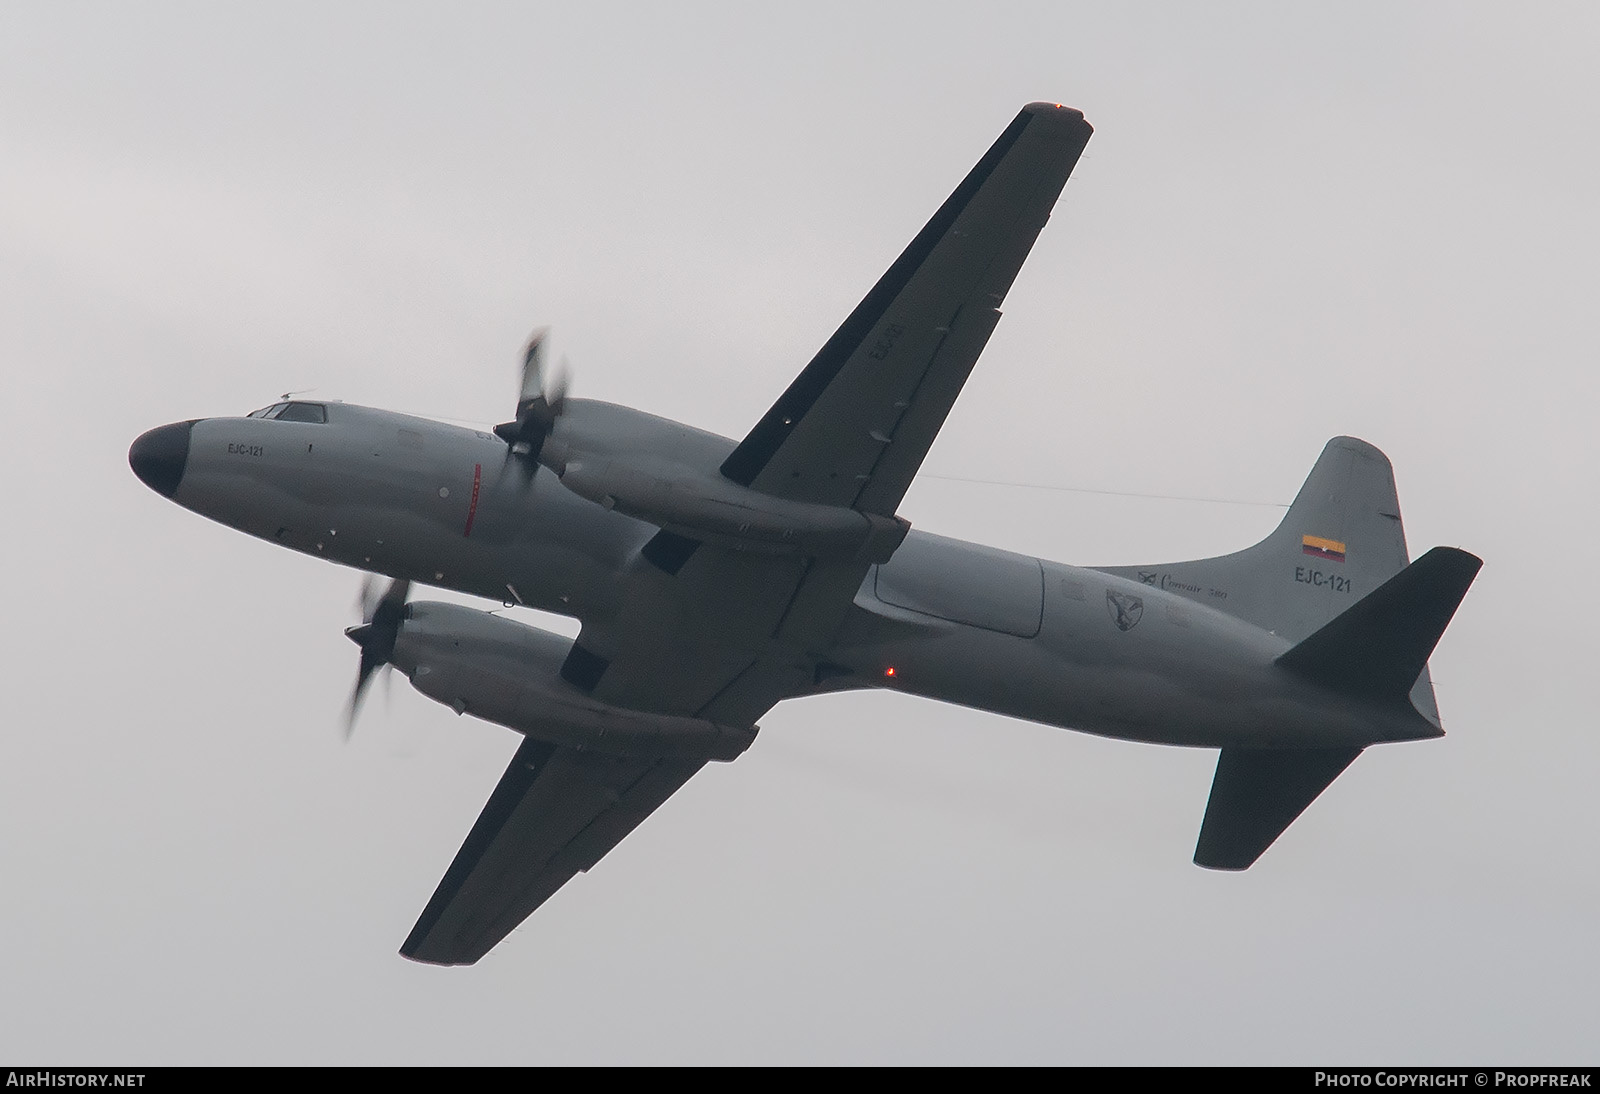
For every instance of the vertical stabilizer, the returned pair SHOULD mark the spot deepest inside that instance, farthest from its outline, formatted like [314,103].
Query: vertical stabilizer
[1340,540]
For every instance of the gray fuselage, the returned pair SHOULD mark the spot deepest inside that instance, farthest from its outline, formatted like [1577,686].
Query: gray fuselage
[1062,645]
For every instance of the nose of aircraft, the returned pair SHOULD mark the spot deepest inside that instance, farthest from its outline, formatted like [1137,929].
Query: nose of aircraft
[158,457]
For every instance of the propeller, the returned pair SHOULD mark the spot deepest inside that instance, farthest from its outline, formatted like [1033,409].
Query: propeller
[539,404]
[381,618]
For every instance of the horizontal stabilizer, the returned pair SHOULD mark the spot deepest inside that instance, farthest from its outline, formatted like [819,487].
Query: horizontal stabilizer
[1256,794]
[1380,645]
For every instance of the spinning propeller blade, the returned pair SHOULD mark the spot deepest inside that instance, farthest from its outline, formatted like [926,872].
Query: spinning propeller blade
[539,403]
[381,619]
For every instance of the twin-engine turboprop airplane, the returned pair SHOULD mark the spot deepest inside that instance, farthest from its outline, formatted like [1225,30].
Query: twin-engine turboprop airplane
[714,579]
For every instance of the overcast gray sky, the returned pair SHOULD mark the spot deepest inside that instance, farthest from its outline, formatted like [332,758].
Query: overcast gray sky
[1293,221]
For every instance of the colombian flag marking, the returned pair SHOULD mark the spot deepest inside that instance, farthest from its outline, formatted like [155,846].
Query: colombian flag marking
[1322,548]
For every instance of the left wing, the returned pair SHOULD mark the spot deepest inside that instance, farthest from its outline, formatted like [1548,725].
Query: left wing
[853,428]
[555,812]
[851,431]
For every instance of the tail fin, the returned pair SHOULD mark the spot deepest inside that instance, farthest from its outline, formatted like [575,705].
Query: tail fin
[1339,541]
[1379,647]
[1332,578]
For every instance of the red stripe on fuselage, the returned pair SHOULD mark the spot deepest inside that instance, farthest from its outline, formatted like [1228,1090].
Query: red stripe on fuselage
[472,509]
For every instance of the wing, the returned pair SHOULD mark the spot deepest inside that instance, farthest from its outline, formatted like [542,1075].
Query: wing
[853,428]
[555,812]
[851,431]
[722,634]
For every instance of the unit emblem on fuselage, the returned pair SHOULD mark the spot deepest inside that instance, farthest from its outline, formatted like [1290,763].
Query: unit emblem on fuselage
[1125,610]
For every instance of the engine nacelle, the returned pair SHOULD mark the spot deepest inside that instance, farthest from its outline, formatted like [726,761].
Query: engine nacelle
[719,511]
[509,673]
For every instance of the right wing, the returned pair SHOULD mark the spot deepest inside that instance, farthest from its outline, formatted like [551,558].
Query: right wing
[555,812]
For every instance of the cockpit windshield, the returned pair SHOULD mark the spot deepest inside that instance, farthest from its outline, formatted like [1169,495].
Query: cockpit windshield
[293,412]
[303,412]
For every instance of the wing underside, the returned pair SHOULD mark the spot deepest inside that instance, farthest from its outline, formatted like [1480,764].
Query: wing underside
[555,812]
[854,426]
